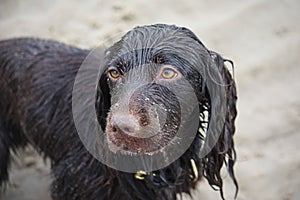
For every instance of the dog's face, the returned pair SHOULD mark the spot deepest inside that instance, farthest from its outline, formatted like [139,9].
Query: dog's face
[145,114]
[149,77]
[153,75]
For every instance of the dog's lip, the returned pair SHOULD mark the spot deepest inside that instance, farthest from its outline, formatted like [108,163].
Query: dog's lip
[125,142]
[120,141]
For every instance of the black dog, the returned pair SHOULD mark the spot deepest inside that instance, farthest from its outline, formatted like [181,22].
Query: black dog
[36,84]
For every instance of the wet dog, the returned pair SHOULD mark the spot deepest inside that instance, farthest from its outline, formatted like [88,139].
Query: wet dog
[37,78]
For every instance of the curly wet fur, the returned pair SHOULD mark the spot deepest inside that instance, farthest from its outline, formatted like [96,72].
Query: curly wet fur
[37,77]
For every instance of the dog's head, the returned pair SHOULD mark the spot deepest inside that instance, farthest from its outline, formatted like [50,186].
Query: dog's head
[151,76]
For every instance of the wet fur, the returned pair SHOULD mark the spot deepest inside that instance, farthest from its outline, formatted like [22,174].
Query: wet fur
[36,81]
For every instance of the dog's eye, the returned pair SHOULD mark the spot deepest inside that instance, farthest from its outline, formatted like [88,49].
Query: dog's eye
[168,73]
[114,73]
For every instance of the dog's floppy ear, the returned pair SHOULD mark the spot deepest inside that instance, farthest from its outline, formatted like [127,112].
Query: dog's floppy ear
[223,152]
[103,102]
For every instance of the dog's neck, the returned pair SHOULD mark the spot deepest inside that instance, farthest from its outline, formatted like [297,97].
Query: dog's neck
[156,181]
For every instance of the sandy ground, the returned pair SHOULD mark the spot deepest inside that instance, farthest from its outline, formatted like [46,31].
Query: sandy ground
[261,36]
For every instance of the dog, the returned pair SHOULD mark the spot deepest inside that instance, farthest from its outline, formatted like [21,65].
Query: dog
[151,69]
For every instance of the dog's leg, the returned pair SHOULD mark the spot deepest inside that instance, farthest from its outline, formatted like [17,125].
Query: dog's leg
[4,152]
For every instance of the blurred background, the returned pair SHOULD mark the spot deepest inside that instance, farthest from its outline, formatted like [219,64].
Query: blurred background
[262,37]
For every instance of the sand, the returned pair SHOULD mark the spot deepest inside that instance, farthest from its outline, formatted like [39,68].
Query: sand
[260,36]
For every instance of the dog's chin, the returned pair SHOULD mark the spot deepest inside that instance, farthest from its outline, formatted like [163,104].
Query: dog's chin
[125,144]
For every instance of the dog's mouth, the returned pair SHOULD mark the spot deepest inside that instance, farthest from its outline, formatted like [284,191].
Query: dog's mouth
[118,140]
[143,130]
[126,134]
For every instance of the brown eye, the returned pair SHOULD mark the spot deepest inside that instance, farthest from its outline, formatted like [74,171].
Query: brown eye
[114,73]
[168,73]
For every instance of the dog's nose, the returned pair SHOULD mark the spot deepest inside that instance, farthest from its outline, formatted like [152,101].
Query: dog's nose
[125,123]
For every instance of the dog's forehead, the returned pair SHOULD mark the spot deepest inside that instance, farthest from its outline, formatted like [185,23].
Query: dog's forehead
[161,44]
[153,37]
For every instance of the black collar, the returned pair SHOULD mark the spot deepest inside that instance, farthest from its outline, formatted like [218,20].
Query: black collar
[157,180]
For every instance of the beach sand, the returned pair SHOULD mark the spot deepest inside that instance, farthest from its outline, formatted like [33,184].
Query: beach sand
[262,37]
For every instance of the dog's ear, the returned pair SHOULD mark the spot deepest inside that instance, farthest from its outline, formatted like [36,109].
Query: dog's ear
[223,152]
[103,101]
